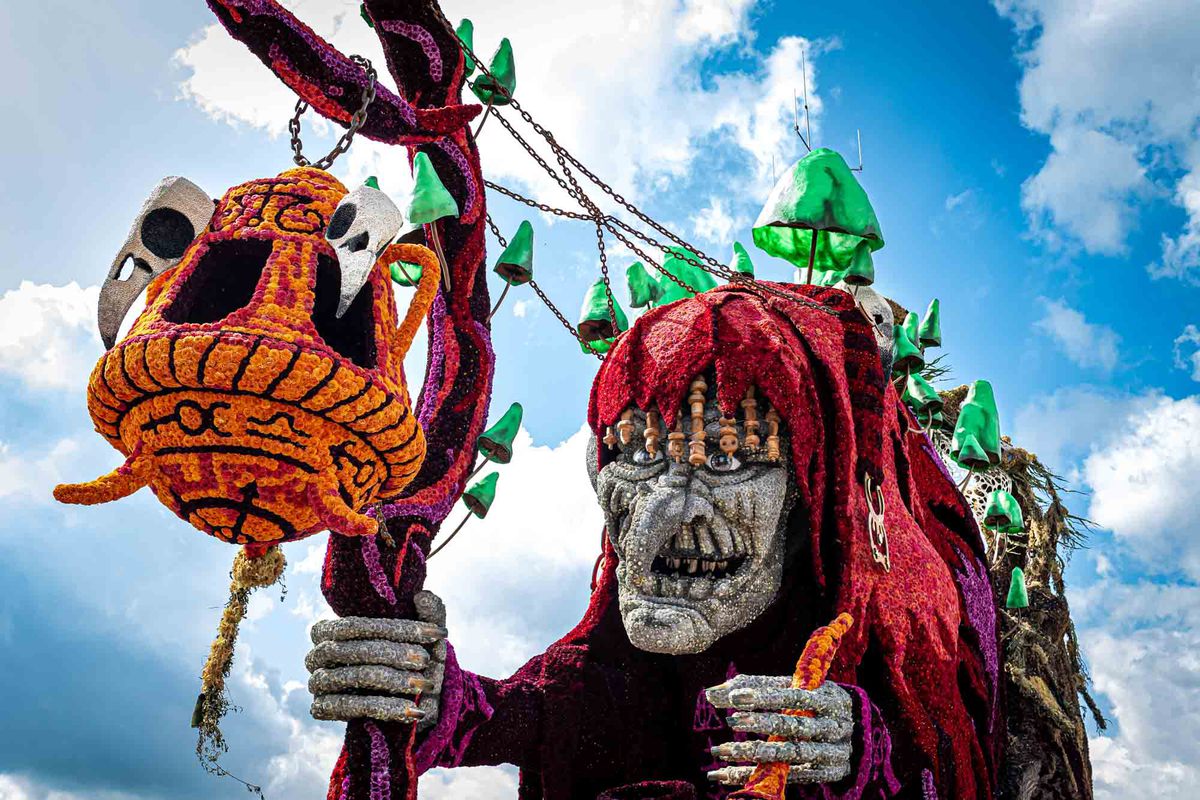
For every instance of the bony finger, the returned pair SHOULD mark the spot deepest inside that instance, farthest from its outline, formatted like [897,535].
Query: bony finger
[394,630]
[810,754]
[737,776]
[829,700]
[430,607]
[369,678]
[813,729]
[719,695]
[400,655]
[346,707]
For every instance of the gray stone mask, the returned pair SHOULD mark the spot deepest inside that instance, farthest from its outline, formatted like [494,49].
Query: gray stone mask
[701,547]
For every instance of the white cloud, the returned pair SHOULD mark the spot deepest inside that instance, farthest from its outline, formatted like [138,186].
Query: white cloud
[27,476]
[1113,83]
[48,334]
[715,224]
[1071,422]
[1143,484]
[1189,339]
[953,201]
[617,84]
[1086,343]
[520,309]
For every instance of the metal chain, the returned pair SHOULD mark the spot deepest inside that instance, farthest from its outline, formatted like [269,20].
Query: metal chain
[542,295]
[356,121]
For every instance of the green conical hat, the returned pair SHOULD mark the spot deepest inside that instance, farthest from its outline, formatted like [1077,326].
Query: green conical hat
[480,496]
[1003,513]
[406,275]
[819,196]
[678,265]
[371,181]
[362,12]
[498,92]
[431,200]
[594,320]
[908,358]
[930,331]
[861,271]
[515,264]
[601,346]
[970,455]
[466,35]
[1018,596]
[741,260]
[979,418]
[643,289]
[496,442]
[921,396]
[912,325]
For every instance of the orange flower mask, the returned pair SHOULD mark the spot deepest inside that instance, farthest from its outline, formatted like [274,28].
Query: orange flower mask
[261,393]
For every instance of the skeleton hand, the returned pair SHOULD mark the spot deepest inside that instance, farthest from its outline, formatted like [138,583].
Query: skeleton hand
[817,747]
[386,669]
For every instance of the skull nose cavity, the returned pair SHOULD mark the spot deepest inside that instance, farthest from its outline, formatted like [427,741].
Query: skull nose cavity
[358,243]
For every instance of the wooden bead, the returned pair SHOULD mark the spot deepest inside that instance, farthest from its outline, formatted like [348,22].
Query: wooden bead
[652,433]
[697,455]
[750,409]
[610,439]
[772,434]
[675,441]
[729,439]
[625,426]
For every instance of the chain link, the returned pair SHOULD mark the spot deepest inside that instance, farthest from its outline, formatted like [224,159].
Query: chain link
[356,121]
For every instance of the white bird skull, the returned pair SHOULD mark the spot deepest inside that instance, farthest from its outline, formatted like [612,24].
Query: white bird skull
[174,214]
[365,222]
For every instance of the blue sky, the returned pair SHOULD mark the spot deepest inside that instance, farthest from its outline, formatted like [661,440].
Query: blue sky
[1035,164]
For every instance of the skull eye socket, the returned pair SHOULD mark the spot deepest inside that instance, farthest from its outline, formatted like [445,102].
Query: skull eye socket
[723,462]
[644,457]
[167,232]
[343,218]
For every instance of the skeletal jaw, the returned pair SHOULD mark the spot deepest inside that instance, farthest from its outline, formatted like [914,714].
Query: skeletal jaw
[701,553]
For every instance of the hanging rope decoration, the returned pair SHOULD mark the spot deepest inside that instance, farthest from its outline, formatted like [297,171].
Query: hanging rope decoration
[604,222]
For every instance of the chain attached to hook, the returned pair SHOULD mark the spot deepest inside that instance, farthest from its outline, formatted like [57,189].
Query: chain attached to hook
[356,121]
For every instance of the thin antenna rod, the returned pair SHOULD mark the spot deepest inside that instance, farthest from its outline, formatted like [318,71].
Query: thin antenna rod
[859,168]
[804,77]
[796,119]
[773,179]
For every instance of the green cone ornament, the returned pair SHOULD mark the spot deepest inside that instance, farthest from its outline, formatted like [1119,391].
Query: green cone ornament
[979,419]
[929,333]
[466,34]
[362,12]
[1003,513]
[515,264]
[496,442]
[908,357]
[371,181]
[920,396]
[970,455]
[1018,596]
[912,326]
[677,264]
[600,346]
[861,271]
[643,288]
[498,89]
[431,200]
[479,497]
[817,214]
[741,260]
[405,274]
[594,320]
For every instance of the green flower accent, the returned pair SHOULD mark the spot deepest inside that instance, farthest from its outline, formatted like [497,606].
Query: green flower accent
[496,442]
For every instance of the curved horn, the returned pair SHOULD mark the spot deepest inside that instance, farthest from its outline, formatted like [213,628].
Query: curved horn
[335,514]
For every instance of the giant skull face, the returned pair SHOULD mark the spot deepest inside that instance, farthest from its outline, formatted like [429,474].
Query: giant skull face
[701,547]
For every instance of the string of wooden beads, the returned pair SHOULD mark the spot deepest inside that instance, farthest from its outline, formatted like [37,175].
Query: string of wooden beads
[610,438]
[728,436]
[652,433]
[625,426]
[675,441]
[750,410]
[772,434]
[697,456]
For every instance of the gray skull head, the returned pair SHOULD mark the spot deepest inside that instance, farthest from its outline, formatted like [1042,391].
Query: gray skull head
[700,546]
[365,222]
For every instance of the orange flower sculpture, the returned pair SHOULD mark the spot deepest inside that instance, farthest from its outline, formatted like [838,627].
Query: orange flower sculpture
[242,398]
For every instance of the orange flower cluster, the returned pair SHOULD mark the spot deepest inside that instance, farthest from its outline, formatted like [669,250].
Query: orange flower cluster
[249,408]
